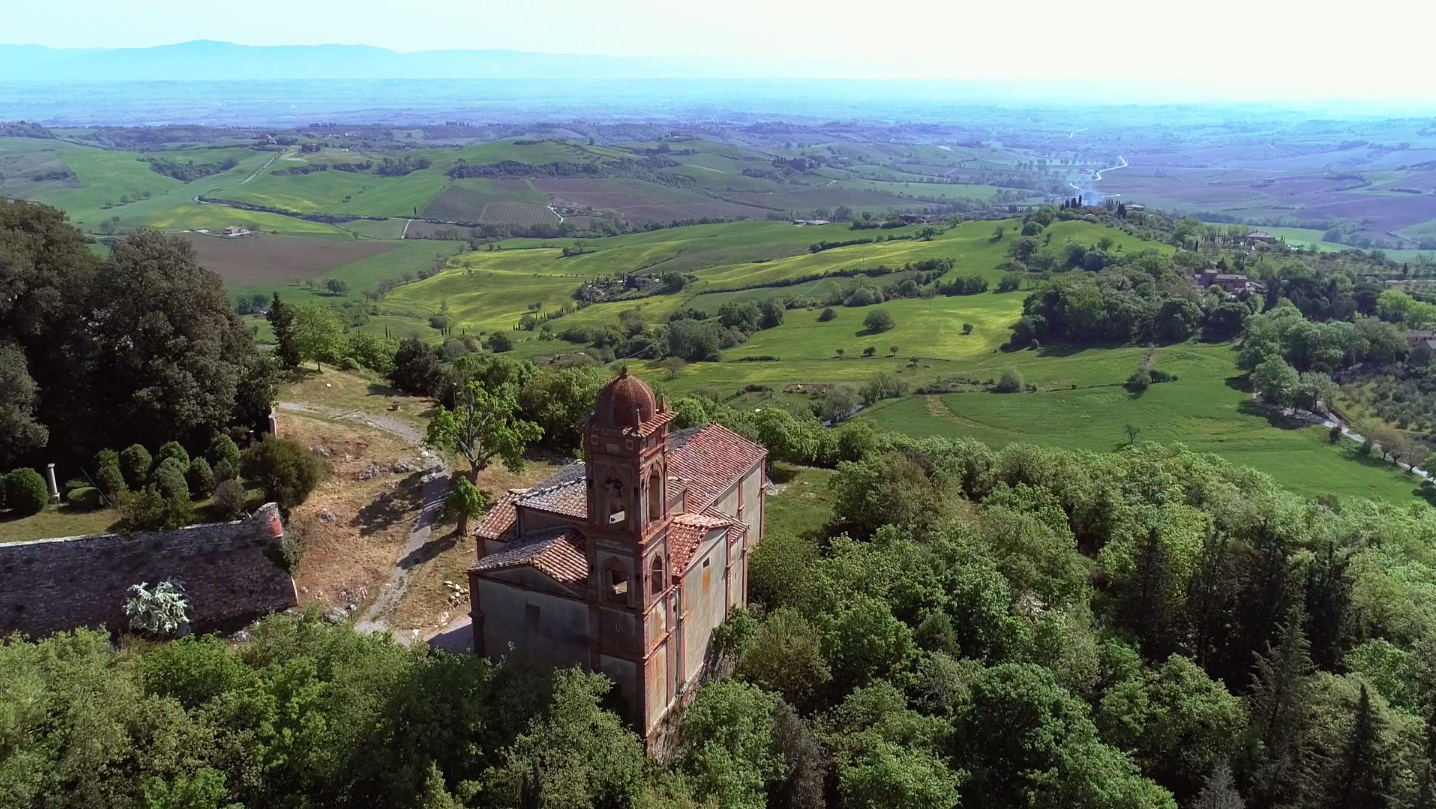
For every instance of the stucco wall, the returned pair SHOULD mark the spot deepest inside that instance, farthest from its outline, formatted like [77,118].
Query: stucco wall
[232,573]
[704,603]
[624,674]
[561,634]
[753,505]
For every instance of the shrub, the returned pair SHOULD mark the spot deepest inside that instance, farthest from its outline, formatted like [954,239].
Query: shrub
[160,611]
[170,480]
[107,473]
[879,320]
[148,510]
[287,471]
[230,499]
[224,470]
[415,370]
[500,342]
[826,315]
[869,351]
[85,498]
[136,461]
[1011,381]
[200,477]
[26,492]
[172,449]
[1139,380]
[223,448]
[967,328]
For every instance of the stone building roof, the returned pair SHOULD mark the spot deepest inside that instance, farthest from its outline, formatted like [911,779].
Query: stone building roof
[557,553]
[500,521]
[563,493]
[232,573]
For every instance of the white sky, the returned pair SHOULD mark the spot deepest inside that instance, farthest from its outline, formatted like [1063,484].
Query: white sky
[1272,48]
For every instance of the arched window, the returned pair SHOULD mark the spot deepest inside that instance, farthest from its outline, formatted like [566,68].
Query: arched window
[655,496]
[617,502]
[617,584]
[656,575]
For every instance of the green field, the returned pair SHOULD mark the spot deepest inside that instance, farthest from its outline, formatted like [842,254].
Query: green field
[1207,408]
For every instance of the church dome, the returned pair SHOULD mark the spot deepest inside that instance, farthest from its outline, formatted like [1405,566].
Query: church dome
[627,401]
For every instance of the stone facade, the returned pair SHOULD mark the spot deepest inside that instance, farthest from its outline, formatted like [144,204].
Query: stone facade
[232,574]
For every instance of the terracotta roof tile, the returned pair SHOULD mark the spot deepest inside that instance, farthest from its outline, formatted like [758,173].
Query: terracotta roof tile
[683,540]
[564,493]
[687,533]
[500,521]
[557,553]
[708,461]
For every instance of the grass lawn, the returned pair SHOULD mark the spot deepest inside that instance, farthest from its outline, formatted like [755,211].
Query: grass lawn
[57,521]
[1207,409]
[803,505]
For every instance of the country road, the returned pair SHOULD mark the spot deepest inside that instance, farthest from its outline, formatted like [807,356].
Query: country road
[256,173]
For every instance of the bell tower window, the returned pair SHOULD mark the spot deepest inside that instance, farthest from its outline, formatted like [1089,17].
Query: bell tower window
[617,502]
[655,496]
[656,575]
[617,584]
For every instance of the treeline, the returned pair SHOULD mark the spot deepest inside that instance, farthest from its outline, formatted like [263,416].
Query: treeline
[188,171]
[645,169]
[401,166]
[138,348]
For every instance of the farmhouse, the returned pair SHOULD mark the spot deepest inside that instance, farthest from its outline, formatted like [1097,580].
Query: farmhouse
[1232,283]
[805,222]
[1419,337]
[1259,237]
[626,562]
[235,231]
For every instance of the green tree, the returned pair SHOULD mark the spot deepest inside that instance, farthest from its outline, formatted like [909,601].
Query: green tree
[879,320]
[1277,382]
[1279,700]
[465,499]
[170,353]
[416,369]
[281,320]
[223,448]
[1220,791]
[576,755]
[485,424]
[317,333]
[558,399]
[727,744]
[286,470]
[1360,779]
[19,397]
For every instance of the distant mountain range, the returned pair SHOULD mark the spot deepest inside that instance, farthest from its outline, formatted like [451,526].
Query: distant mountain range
[207,60]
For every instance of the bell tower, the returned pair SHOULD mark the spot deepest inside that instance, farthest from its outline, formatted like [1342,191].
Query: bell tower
[626,461]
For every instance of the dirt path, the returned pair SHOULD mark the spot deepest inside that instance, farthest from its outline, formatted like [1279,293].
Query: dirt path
[436,484]
[404,431]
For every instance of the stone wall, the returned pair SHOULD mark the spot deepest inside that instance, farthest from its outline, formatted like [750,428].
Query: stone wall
[232,573]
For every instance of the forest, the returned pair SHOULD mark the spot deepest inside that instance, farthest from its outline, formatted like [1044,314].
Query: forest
[1027,627]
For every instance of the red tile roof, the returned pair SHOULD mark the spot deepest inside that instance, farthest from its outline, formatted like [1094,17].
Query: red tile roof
[500,521]
[687,533]
[557,553]
[710,461]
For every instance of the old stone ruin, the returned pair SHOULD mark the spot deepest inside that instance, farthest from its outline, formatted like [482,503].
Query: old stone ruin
[232,573]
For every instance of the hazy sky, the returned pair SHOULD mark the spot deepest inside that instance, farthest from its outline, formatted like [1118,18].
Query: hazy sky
[1273,46]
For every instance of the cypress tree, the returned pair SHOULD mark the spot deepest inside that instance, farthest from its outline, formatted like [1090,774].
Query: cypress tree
[1361,781]
[281,319]
[1278,708]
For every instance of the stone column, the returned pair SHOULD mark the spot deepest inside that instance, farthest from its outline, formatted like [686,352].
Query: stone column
[273,422]
[54,488]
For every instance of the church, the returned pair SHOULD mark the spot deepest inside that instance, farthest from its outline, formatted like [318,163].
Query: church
[624,563]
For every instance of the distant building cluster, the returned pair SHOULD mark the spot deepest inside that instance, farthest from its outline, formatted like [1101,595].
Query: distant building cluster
[1229,282]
